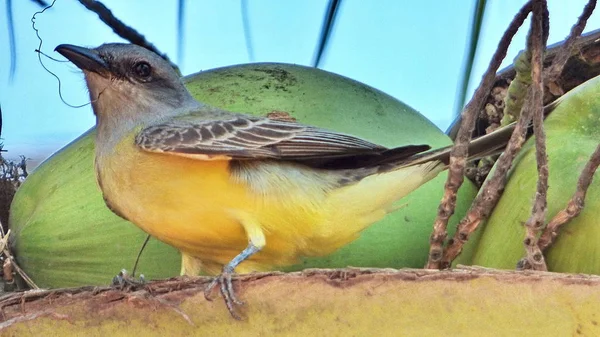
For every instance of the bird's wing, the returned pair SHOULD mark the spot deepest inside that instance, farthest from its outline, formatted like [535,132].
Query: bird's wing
[241,137]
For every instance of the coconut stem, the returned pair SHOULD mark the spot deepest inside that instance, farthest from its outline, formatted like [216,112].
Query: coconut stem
[491,190]
[460,150]
[552,73]
[123,30]
[574,206]
[534,243]
[534,225]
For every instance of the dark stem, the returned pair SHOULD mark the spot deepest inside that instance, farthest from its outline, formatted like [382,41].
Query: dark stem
[328,22]
[247,33]
[12,45]
[575,205]
[555,70]
[180,29]
[459,153]
[121,28]
[533,226]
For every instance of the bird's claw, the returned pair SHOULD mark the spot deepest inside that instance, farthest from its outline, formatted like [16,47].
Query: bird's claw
[122,280]
[226,289]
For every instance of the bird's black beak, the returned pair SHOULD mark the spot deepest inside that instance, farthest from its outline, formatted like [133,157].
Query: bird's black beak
[83,58]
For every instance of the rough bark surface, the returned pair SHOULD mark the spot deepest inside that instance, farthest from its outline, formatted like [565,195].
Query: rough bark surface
[357,302]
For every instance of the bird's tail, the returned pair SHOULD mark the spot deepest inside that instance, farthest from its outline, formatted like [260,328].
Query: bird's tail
[488,145]
[370,198]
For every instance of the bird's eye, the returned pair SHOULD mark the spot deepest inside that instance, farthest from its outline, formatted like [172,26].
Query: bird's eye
[142,69]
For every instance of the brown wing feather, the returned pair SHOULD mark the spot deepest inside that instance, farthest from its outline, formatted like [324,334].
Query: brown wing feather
[244,137]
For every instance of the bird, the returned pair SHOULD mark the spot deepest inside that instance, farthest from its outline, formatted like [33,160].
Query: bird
[236,193]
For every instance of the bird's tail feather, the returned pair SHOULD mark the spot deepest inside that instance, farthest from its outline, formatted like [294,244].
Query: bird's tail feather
[488,145]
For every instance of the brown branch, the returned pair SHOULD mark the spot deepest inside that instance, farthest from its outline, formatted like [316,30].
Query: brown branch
[4,249]
[537,43]
[491,190]
[459,153]
[121,28]
[574,206]
[580,67]
[7,272]
[552,73]
[535,245]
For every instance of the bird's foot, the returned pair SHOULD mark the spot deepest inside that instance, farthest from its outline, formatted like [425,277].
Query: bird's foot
[123,280]
[225,285]
[224,280]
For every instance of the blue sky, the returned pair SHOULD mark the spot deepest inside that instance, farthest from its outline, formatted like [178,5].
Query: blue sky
[413,50]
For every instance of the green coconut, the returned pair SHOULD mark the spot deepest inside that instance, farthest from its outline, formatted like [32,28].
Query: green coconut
[65,236]
[573,132]
[62,233]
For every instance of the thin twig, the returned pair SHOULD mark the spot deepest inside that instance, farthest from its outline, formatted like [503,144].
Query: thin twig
[536,245]
[4,249]
[22,273]
[137,259]
[11,40]
[459,152]
[40,3]
[121,28]
[469,61]
[575,205]
[18,269]
[490,192]
[3,238]
[580,67]
[552,73]
[519,87]
[11,35]
[533,226]
[247,30]
[326,29]
[180,30]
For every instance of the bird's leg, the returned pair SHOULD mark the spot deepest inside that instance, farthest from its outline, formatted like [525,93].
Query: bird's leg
[256,242]
[224,279]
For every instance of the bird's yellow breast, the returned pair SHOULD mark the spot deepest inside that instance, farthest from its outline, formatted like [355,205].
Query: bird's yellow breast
[194,205]
[190,204]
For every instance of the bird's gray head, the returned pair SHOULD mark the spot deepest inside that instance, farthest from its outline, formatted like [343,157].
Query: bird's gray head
[126,78]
